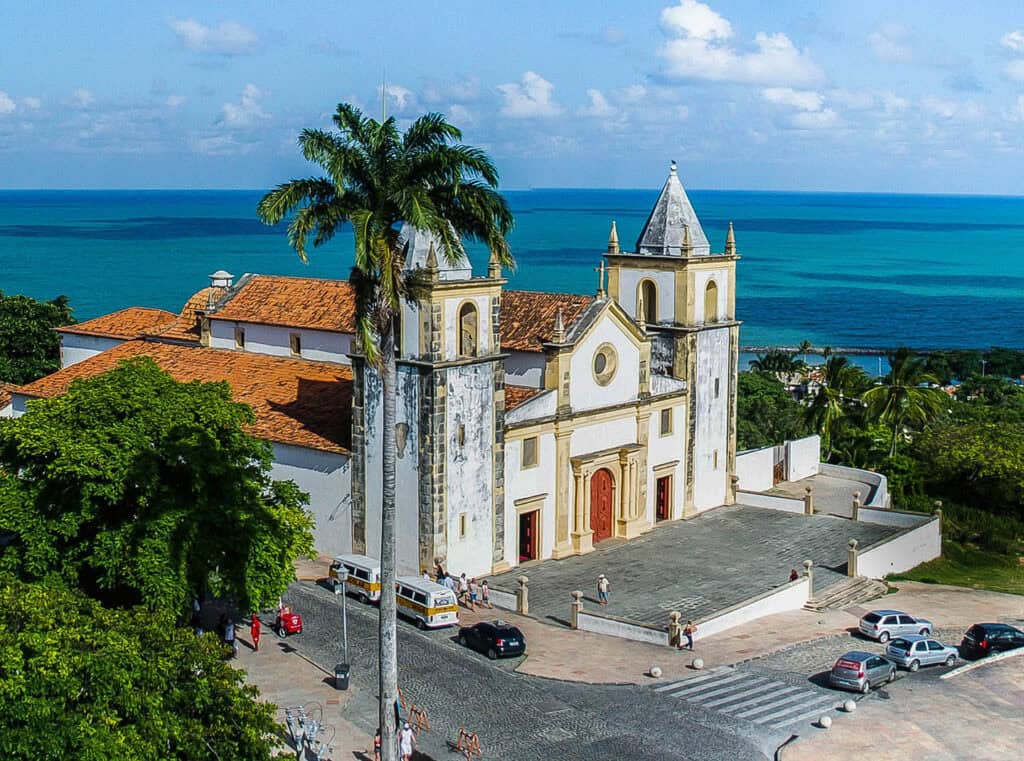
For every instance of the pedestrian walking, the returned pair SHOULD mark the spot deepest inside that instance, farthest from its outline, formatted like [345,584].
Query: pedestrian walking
[255,629]
[473,591]
[485,594]
[688,632]
[229,636]
[793,575]
[464,589]
[603,588]
[406,741]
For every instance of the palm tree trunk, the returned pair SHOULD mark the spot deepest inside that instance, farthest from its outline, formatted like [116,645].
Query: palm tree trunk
[387,626]
[895,428]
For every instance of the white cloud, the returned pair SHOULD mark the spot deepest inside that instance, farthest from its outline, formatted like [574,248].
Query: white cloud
[695,20]
[697,49]
[1015,70]
[247,112]
[227,38]
[891,43]
[7,105]
[220,145]
[174,101]
[633,93]
[815,119]
[599,107]
[951,110]
[530,98]
[1013,41]
[82,98]
[804,100]
[400,96]
[459,115]
[33,104]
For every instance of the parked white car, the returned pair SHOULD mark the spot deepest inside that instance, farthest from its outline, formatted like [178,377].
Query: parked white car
[883,625]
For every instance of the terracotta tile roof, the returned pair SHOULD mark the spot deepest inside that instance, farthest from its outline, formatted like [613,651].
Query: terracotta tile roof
[307,404]
[528,317]
[6,389]
[187,325]
[516,395]
[294,302]
[128,323]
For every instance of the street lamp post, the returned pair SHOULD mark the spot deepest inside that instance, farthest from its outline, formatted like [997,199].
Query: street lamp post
[983,363]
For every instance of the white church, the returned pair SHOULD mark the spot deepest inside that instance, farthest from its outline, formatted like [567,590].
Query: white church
[530,425]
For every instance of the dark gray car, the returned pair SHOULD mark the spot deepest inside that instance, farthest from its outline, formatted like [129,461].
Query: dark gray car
[860,671]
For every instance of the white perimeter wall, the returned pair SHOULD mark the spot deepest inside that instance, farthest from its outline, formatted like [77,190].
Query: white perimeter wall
[318,345]
[665,449]
[712,430]
[525,368]
[630,279]
[531,482]
[803,457]
[327,478]
[76,348]
[792,596]
[754,469]
[902,552]
[584,391]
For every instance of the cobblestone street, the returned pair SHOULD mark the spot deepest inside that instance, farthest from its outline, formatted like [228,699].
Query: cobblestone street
[698,566]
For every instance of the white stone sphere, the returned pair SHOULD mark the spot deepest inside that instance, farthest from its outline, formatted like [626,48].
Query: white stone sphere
[825,722]
[655,671]
[850,706]
[698,663]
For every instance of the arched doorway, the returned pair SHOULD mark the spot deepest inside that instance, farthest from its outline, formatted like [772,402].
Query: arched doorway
[601,504]
[649,294]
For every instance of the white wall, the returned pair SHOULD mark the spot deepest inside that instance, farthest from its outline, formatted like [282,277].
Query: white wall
[451,322]
[902,552]
[664,449]
[327,478]
[604,435]
[754,469]
[770,501]
[541,406]
[803,457]
[530,482]
[629,279]
[525,368]
[469,470]
[75,348]
[791,596]
[700,282]
[584,391]
[712,429]
[876,493]
[317,345]
[885,517]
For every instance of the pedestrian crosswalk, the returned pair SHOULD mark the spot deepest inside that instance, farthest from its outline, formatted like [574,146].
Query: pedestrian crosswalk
[751,696]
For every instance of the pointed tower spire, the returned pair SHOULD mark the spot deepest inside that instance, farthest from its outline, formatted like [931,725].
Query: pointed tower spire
[730,242]
[493,265]
[662,234]
[613,240]
[558,334]
[432,262]
[687,248]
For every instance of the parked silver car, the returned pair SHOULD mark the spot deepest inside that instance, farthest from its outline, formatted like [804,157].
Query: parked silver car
[861,671]
[914,651]
[883,625]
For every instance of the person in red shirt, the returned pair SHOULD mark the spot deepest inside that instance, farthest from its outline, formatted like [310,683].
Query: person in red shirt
[254,631]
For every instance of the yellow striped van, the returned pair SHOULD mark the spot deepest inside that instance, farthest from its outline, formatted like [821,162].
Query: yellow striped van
[363,576]
[428,604]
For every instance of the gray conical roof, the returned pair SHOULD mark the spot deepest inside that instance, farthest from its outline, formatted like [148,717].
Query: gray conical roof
[419,249]
[672,214]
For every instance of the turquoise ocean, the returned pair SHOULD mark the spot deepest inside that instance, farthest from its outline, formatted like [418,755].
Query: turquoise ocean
[850,270]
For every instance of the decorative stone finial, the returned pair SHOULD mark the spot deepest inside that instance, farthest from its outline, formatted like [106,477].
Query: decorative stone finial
[641,321]
[600,280]
[613,240]
[687,247]
[730,242]
[432,262]
[493,265]
[672,167]
[558,335]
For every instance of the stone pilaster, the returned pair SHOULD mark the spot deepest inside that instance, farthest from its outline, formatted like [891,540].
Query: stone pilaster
[564,495]
[730,453]
[690,358]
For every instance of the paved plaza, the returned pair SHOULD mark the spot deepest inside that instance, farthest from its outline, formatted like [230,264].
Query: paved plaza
[697,567]
[832,495]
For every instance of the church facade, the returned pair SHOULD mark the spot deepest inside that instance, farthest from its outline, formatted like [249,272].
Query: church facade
[529,425]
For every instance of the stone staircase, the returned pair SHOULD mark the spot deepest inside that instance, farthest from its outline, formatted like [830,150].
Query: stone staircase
[846,593]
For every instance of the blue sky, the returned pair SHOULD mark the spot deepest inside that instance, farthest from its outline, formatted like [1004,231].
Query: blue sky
[880,96]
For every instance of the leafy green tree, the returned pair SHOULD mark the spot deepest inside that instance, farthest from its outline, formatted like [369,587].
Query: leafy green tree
[375,179]
[992,390]
[837,399]
[79,681]
[29,347]
[141,489]
[765,412]
[1003,362]
[905,398]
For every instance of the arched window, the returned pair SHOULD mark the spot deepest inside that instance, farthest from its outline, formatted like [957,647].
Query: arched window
[711,302]
[468,324]
[649,292]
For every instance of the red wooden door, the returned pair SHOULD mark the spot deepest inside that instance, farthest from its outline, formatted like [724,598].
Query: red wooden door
[528,536]
[662,498]
[601,505]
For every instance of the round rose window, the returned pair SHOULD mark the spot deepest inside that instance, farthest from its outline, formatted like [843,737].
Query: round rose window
[604,364]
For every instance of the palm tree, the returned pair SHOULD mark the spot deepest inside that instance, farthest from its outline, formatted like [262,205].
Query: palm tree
[375,179]
[904,397]
[829,409]
[777,362]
